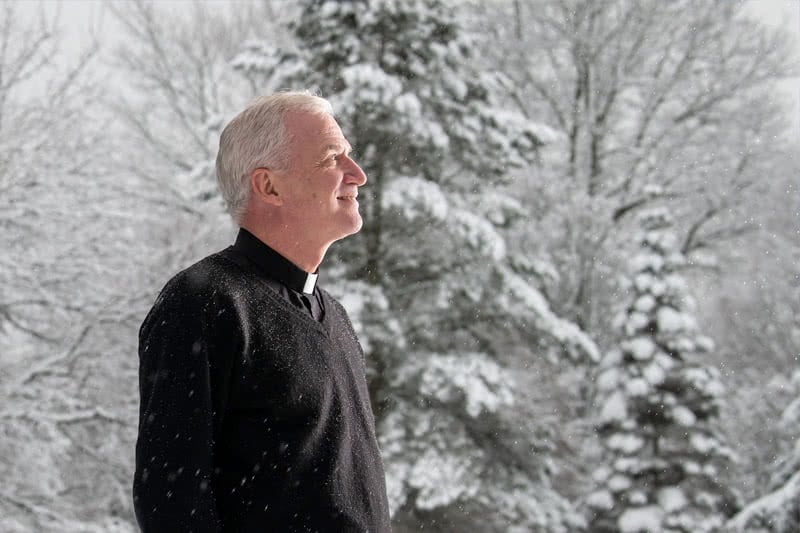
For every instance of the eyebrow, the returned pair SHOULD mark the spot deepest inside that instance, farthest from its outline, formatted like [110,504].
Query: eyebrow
[338,147]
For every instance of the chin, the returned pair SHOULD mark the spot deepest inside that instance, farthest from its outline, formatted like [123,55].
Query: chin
[354,228]
[350,229]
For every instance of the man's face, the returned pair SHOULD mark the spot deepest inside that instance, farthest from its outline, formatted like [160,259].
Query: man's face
[320,188]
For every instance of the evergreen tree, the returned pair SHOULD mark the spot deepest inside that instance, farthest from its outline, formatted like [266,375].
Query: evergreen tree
[430,280]
[658,405]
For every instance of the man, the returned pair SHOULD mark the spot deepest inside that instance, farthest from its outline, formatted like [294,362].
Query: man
[255,414]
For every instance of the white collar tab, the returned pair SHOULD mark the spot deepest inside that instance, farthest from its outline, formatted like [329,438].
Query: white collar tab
[311,282]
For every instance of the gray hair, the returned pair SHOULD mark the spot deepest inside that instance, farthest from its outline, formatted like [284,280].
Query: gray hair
[255,138]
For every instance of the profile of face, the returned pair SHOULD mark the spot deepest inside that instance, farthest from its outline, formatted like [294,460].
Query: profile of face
[318,192]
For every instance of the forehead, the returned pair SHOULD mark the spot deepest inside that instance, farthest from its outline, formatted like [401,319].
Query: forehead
[314,130]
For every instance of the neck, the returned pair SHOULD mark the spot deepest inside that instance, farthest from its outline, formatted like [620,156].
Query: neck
[302,253]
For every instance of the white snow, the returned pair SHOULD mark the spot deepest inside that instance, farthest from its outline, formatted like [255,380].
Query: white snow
[618,483]
[441,478]
[683,416]
[601,474]
[691,467]
[637,497]
[562,330]
[614,408]
[672,499]
[641,520]
[637,387]
[411,115]
[682,345]
[625,442]
[703,443]
[791,415]
[654,373]
[396,474]
[372,83]
[676,284]
[627,464]
[704,343]
[643,281]
[483,384]
[644,303]
[478,233]
[658,287]
[664,361]
[641,348]
[328,9]
[499,209]
[652,189]
[636,322]
[705,379]
[649,261]
[600,499]
[408,104]
[778,509]
[608,379]
[670,320]
[415,197]
[612,358]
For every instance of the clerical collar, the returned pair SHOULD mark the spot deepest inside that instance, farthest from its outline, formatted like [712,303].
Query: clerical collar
[274,264]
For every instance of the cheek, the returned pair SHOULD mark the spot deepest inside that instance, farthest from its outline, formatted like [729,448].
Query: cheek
[320,187]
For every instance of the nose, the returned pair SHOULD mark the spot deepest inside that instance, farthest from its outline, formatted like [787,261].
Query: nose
[354,174]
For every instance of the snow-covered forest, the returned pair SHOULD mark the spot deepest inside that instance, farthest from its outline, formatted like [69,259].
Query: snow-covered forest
[577,286]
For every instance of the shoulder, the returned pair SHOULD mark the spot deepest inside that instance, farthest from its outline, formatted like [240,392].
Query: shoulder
[198,289]
[216,274]
[189,284]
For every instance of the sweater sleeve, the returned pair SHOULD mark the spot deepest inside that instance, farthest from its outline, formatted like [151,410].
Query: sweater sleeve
[180,388]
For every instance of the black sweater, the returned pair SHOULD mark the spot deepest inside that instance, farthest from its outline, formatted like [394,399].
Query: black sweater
[254,417]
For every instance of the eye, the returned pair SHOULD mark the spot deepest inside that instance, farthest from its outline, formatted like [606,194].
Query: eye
[336,158]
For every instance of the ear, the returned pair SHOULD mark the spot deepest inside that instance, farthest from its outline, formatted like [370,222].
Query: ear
[262,184]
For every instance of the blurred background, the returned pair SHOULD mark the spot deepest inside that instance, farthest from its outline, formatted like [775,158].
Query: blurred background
[578,282]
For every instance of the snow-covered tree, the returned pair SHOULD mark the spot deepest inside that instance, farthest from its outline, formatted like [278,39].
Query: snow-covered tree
[658,404]
[180,92]
[655,103]
[753,311]
[65,222]
[649,102]
[778,511]
[433,285]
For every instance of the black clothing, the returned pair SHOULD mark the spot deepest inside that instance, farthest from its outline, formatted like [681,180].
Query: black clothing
[283,276]
[254,417]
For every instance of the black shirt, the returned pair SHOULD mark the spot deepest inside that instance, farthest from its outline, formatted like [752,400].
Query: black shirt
[283,276]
